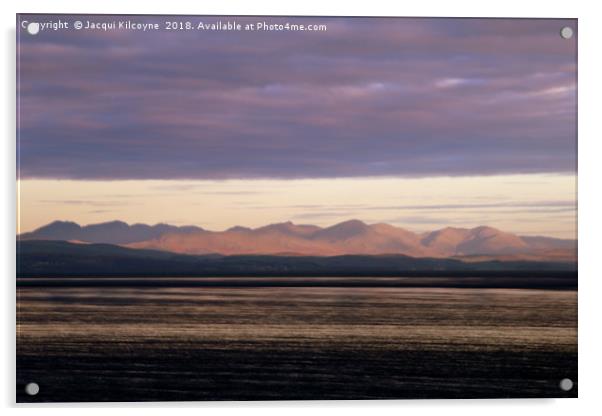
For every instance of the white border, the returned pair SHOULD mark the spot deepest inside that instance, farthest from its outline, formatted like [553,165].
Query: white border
[590,288]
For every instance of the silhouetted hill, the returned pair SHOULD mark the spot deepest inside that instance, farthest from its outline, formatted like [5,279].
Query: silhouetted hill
[58,258]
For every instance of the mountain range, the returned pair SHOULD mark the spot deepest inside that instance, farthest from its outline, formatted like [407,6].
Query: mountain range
[351,237]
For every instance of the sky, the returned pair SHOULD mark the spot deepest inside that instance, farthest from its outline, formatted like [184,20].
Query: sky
[421,123]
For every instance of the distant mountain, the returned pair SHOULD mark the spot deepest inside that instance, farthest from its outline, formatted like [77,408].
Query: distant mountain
[41,258]
[352,237]
[114,232]
[479,240]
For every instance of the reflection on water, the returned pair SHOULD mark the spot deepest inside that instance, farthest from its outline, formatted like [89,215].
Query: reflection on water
[294,343]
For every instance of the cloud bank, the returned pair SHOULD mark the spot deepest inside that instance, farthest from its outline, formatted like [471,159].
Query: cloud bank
[367,97]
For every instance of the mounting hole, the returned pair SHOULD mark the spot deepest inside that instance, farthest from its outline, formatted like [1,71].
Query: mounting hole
[32,389]
[566,32]
[33,28]
[566,384]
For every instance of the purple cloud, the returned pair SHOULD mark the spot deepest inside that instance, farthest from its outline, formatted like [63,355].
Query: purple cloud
[373,96]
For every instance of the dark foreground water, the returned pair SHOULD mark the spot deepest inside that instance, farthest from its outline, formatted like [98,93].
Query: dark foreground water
[270,343]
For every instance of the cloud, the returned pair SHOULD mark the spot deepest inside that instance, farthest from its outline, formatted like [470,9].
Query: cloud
[321,215]
[368,97]
[420,220]
[84,202]
[557,205]
[456,82]
[569,205]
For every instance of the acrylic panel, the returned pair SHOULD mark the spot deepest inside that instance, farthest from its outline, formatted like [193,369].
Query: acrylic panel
[295,208]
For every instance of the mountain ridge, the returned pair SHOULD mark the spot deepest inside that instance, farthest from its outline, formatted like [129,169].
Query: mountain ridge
[352,237]
[111,232]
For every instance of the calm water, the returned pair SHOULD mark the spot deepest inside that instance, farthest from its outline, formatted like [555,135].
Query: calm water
[215,343]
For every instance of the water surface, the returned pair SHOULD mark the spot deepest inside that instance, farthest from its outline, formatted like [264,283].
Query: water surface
[244,343]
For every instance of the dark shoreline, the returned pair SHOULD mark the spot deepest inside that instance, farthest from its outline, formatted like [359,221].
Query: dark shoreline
[553,282]
[61,259]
